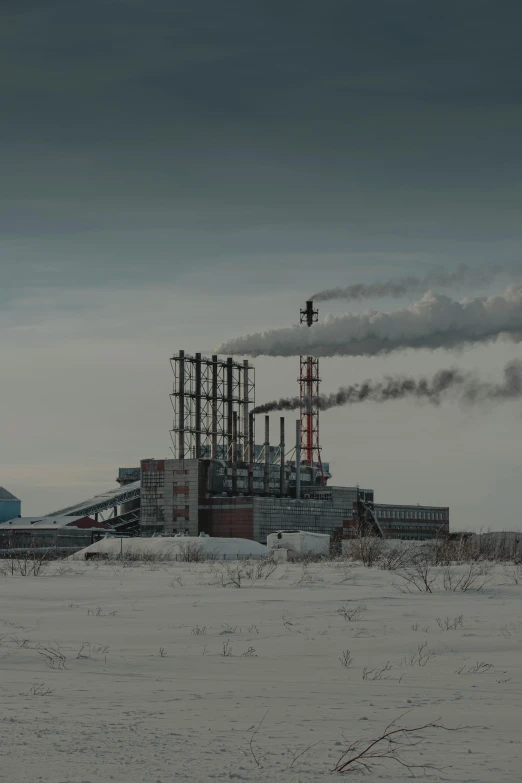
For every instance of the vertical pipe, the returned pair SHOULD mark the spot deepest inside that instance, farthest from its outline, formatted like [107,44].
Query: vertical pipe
[266,475]
[234,452]
[214,414]
[298,460]
[282,457]
[181,412]
[198,407]
[309,413]
[230,403]
[251,454]
[245,411]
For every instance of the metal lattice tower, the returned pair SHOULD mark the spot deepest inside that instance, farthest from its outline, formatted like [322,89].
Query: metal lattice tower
[209,397]
[309,382]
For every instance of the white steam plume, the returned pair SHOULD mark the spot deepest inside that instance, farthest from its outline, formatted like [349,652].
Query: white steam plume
[435,321]
[411,284]
[466,387]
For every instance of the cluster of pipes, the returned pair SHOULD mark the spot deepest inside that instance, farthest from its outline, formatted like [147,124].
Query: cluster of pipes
[238,430]
[266,449]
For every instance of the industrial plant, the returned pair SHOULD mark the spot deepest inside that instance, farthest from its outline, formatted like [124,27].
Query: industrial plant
[228,479]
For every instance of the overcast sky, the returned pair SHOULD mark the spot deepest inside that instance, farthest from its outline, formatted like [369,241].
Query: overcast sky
[175,174]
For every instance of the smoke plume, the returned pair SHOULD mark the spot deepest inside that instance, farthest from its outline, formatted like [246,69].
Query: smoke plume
[407,285]
[465,387]
[435,321]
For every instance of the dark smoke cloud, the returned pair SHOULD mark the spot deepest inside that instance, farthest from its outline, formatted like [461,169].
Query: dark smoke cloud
[465,387]
[435,321]
[407,285]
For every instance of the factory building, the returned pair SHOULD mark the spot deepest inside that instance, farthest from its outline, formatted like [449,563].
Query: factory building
[59,532]
[194,496]
[222,482]
[10,506]
[412,522]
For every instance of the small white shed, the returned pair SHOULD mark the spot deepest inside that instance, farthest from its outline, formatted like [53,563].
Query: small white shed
[298,543]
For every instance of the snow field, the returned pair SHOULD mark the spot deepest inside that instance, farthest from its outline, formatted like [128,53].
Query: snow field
[158,672]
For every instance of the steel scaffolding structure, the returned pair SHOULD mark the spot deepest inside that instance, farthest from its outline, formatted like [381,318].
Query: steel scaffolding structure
[211,399]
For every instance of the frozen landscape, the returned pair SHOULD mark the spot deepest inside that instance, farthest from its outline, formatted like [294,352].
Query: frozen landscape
[126,671]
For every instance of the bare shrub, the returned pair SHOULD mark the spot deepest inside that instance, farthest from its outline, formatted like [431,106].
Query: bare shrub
[98,612]
[162,652]
[346,659]
[393,558]
[87,650]
[450,624]
[378,673]
[227,649]
[475,577]
[513,574]
[250,653]
[421,656]
[192,552]
[199,630]
[53,656]
[366,549]
[66,570]
[39,689]
[480,667]
[235,573]
[364,755]
[420,573]
[308,577]
[32,562]
[229,629]
[352,614]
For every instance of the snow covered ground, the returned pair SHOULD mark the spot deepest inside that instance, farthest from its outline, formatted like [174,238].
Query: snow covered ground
[159,673]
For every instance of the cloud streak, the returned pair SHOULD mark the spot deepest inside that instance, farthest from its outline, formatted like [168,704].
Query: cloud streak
[435,321]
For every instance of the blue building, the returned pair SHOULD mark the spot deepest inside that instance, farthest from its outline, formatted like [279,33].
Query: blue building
[10,506]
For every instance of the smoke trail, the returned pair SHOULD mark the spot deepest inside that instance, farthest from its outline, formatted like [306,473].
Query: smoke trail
[465,387]
[435,321]
[411,284]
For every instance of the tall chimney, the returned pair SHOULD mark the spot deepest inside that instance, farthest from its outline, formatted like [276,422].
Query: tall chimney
[251,454]
[214,415]
[245,410]
[234,452]
[266,476]
[298,460]
[181,412]
[197,406]
[282,457]
[230,402]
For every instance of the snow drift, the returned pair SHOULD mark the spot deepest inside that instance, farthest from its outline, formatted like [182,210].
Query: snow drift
[175,548]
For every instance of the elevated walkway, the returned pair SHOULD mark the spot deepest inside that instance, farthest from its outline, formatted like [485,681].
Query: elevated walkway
[99,503]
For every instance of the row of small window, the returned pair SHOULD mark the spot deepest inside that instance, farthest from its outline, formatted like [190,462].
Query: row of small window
[386,513]
[152,479]
[152,512]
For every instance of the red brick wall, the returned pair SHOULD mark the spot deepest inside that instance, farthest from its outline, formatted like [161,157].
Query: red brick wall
[227,518]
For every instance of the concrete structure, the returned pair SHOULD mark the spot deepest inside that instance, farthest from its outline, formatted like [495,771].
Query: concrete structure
[180,496]
[59,532]
[412,522]
[10,506]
